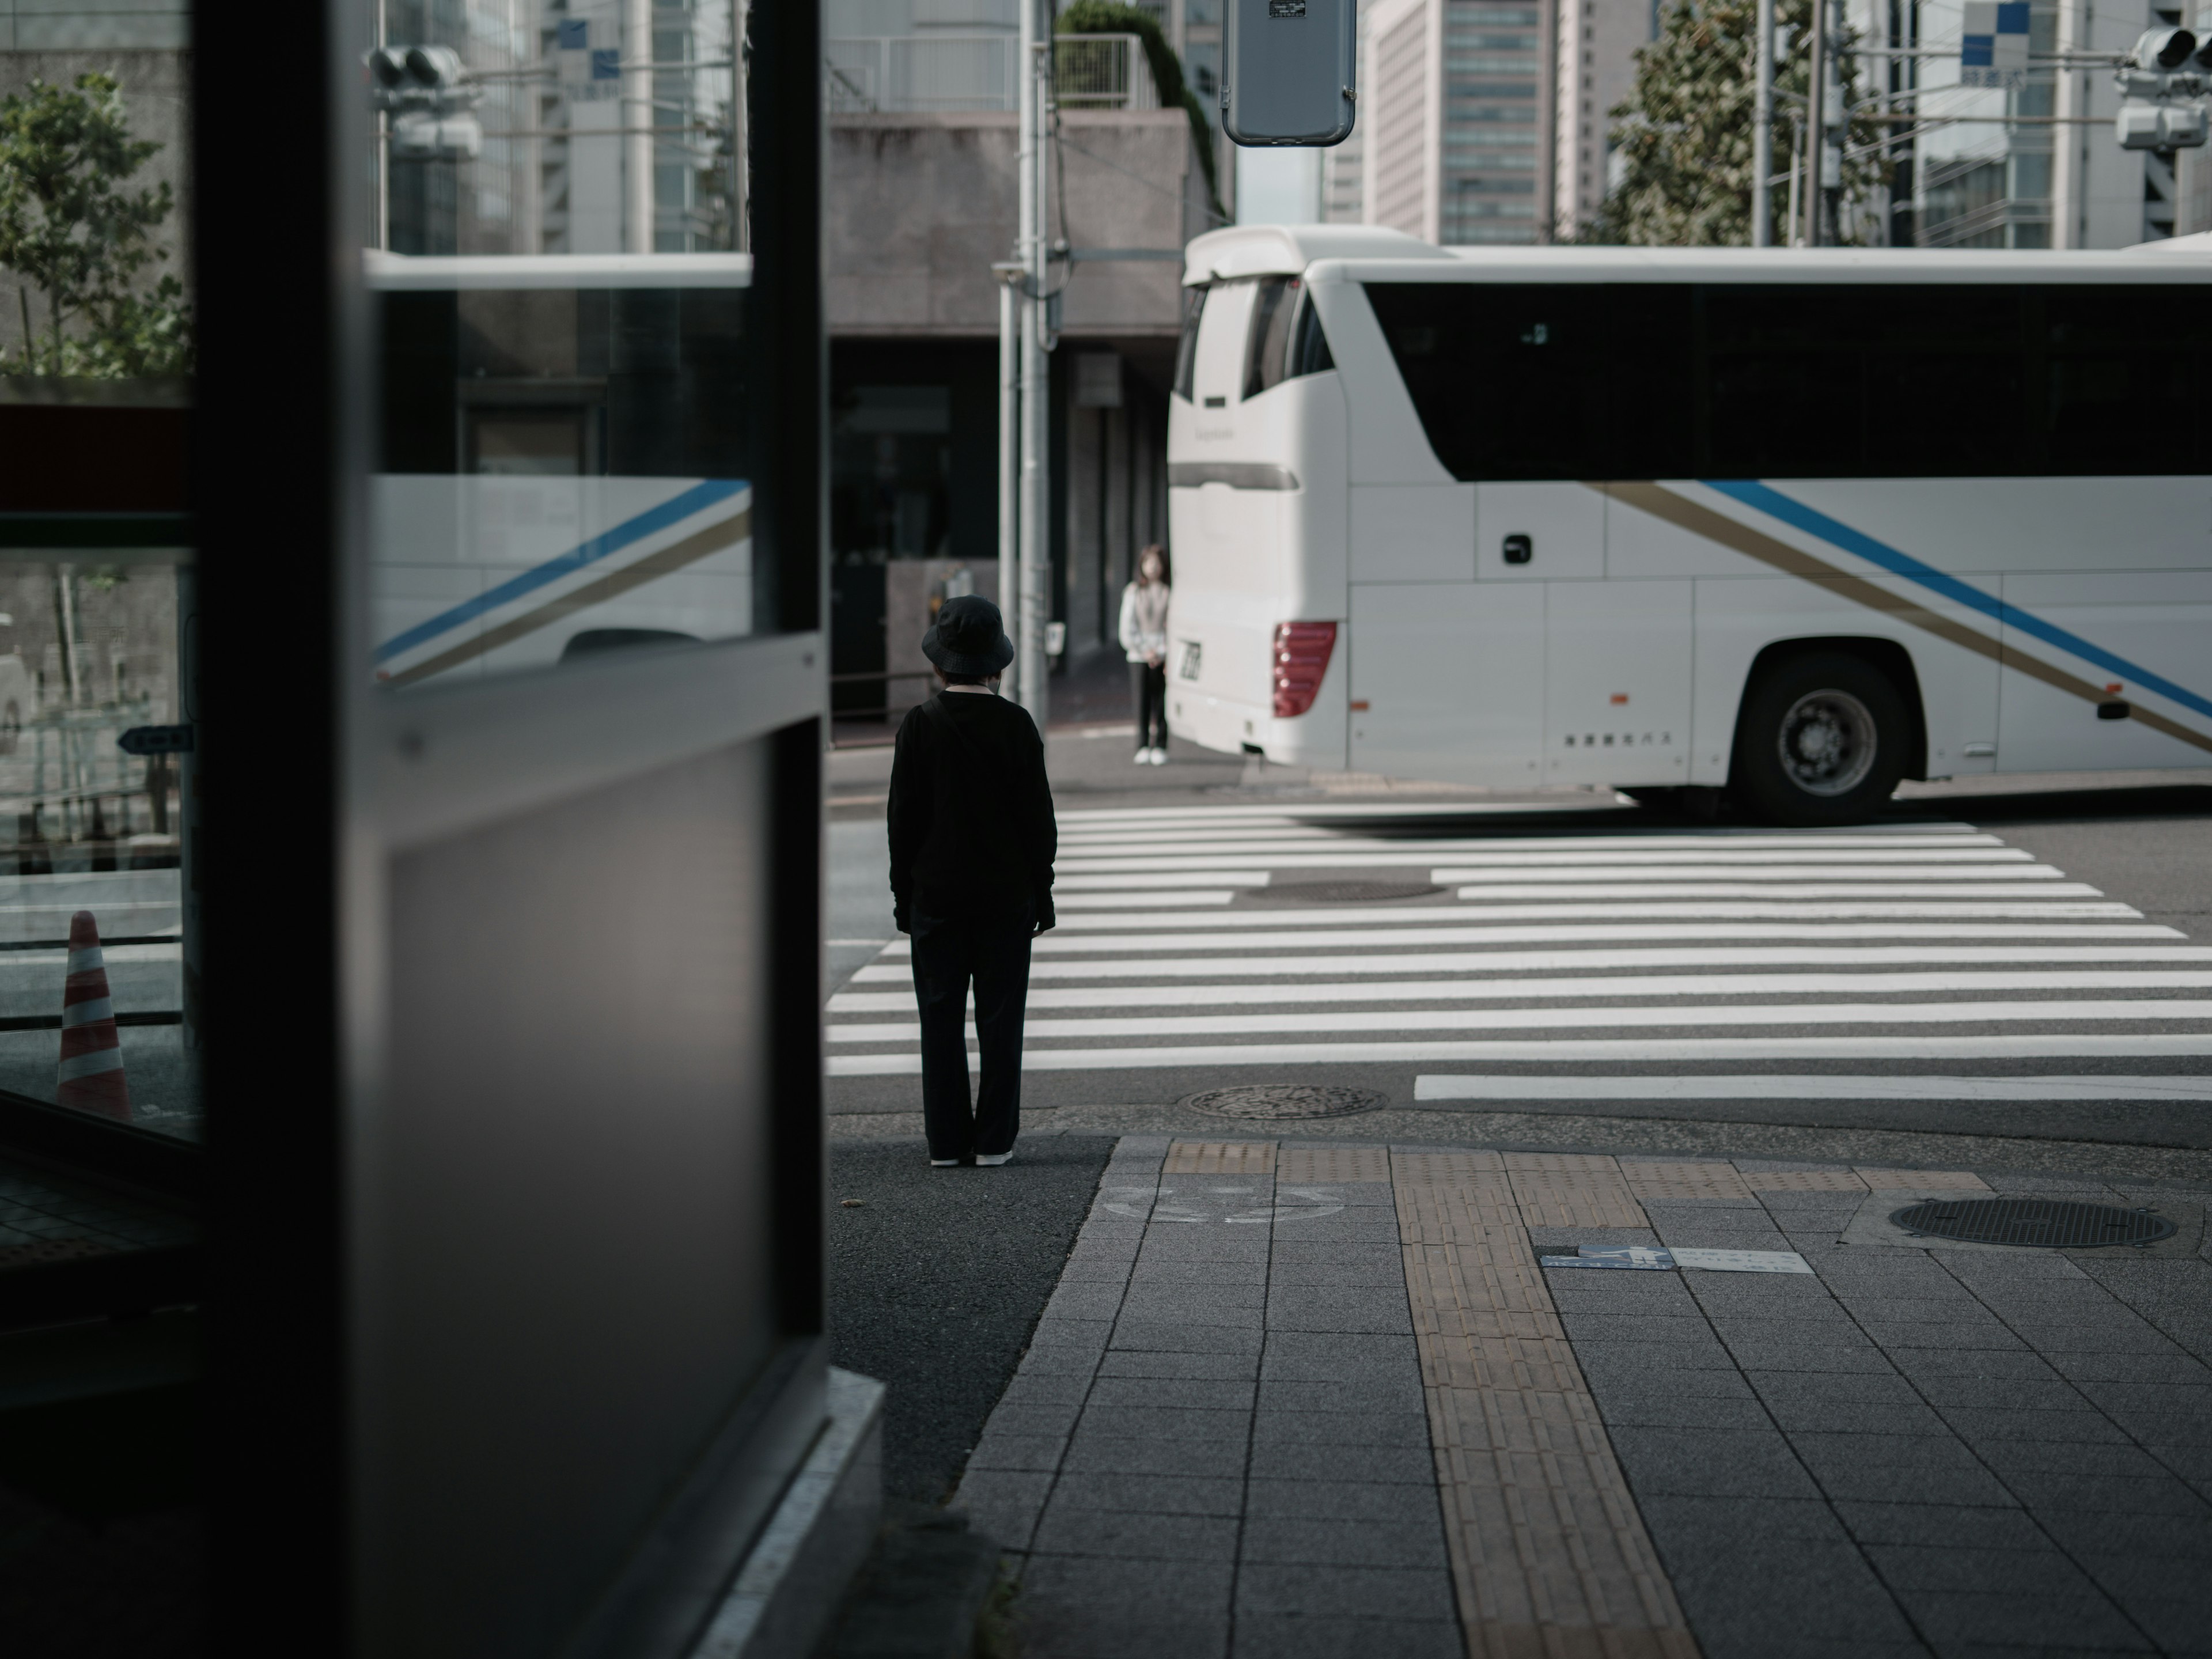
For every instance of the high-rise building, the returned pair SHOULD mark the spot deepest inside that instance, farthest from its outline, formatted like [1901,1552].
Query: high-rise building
[1486,120]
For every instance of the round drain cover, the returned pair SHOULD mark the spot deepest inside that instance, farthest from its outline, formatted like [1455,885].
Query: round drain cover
[1343,892]
[1281,1100]
[2052,1224]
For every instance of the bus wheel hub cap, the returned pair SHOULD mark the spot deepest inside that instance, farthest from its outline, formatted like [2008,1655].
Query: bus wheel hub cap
[1827,743]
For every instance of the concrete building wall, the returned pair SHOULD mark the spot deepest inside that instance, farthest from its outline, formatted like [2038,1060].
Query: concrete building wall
[922,206]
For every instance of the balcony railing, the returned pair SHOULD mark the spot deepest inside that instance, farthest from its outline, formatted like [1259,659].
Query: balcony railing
[942,73]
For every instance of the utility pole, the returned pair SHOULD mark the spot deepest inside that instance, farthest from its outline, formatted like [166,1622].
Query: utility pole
[1010,275]
[1762,131]
[637,121]
[1035,400]
[1816,123]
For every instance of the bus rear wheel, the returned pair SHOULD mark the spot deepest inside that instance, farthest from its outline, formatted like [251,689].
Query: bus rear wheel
[1821,741]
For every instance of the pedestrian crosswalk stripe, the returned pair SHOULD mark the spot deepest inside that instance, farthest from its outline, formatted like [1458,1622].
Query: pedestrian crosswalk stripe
[1395,855]
[1480,851]
[1502,962]
[1300,817]
[1812,1085]
[1168,945]
[1150,880]
[2136,1046]
[1138,901]
[1771,875]
[1733,910]
[1811,889]
[1517,989]
[1506,1020]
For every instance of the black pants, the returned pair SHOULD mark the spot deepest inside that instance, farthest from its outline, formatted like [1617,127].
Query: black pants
[994,954]
[1148,690]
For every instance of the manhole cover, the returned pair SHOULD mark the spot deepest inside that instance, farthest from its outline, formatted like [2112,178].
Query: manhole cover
[2053,1224]
[1280,1100]
[1343,892]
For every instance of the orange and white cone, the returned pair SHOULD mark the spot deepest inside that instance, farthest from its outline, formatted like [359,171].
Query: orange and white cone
[91,1078]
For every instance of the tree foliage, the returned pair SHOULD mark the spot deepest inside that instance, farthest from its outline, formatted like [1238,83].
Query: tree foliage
[1683,136]
[74,233]
[1113,17]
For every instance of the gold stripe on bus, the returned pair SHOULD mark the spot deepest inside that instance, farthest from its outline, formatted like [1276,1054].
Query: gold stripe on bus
[714,539]
[1699,520]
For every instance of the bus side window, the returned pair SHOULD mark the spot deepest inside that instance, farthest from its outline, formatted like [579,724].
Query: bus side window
[1187,348]
[1309,353]
[1267,343]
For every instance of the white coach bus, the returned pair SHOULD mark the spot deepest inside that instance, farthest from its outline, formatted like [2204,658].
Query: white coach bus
[1795,524]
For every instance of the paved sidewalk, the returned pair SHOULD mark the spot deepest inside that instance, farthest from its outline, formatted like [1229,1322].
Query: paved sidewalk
[1298,1399]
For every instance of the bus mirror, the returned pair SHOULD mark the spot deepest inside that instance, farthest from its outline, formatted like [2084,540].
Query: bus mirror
[1519,549]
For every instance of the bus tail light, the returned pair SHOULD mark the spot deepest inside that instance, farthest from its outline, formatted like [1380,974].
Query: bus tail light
[1302,653]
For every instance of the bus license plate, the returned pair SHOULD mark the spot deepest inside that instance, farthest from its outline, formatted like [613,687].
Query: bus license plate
[1187,668]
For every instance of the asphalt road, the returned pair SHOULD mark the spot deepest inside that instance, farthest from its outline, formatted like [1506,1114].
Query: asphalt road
[936,1279]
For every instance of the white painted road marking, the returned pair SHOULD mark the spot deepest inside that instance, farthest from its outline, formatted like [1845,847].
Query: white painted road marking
[1812,1085]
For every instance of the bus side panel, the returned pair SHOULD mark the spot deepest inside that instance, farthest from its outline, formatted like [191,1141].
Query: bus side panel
[1452,675]
[1389,443]
[1736,619]
[2155,620]
[1617,682]
[1978,527]
[1412,532]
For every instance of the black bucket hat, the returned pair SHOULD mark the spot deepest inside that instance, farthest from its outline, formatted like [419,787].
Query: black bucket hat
[969,637]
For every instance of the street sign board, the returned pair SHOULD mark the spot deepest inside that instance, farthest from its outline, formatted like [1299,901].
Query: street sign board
[1993,45]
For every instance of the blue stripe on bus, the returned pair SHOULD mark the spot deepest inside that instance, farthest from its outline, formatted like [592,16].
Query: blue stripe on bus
[1775,504]
[675,510]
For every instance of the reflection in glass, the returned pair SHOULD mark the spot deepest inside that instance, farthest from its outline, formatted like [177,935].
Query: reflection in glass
[565,461]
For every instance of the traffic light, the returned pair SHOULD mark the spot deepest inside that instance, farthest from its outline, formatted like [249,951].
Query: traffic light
[2163,49]
[2162,86]
[426,89]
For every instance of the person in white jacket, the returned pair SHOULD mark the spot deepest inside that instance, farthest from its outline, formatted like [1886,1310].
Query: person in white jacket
[1144,639]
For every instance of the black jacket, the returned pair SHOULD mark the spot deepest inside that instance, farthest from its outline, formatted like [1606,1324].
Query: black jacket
[971,827]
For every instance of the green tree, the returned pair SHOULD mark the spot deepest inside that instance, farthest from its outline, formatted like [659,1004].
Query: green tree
[1112,17]
[74,231]
[1684,134]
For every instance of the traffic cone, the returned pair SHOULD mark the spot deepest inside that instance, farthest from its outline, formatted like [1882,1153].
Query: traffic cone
[91,1076]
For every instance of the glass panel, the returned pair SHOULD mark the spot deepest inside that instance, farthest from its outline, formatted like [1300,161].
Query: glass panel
[564,466]
[96,354]
[92,837]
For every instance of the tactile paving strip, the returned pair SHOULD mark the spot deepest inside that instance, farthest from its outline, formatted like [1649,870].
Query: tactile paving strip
[1711,1183]
[1803,1180]
[1923,1181]
[1567,1189]
[1548,1555]
[1299,1164]
[1242,1157]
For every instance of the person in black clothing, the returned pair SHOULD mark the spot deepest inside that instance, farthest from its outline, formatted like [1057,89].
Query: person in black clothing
[972,840]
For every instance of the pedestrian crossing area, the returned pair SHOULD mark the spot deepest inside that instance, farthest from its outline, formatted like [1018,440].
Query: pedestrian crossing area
[1304,938]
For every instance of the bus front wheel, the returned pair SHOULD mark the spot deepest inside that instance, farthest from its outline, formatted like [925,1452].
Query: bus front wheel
[1821,741]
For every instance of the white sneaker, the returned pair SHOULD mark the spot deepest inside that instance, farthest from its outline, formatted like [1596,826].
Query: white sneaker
[992,1160]
[1143,757]
[1159,757]
[945,1163]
